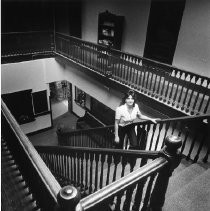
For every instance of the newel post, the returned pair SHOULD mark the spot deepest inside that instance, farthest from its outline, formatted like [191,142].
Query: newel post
[68,198]
[173,155]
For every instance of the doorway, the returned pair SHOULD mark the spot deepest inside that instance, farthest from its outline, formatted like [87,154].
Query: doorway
[163,29]
[61,98]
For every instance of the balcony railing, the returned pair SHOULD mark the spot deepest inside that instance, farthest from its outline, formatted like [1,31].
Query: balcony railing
[26,43]
[185,91]
[194,131]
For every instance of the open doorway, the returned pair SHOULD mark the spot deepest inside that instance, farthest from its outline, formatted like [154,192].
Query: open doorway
[61,98]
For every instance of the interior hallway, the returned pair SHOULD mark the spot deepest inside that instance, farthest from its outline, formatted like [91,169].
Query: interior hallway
[60,116]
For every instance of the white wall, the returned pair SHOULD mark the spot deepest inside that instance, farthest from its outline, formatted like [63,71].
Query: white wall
[193,46]
[136,15]
[30,75]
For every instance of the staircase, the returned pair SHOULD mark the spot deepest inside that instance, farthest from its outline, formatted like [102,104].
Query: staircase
[16,194]
[189,188]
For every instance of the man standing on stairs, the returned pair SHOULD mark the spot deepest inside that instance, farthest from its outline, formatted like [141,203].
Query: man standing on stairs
[125,114]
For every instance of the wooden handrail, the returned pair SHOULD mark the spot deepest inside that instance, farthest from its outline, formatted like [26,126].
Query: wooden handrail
[45,175]
[183,119]
[66,150]
[121,184]
[160,64]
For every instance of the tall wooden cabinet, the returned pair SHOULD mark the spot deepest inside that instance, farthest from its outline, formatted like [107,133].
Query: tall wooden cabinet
[110,30]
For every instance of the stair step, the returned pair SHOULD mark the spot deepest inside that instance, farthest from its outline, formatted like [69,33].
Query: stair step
[192,197]
[179,180]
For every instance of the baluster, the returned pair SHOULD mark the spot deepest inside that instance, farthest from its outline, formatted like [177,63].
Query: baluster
[82,172]
[185,139]
[200,147]
[91,173]
[69,169]
[163,85]
[139,194]
[187,91]
[192,146]
[197,95]
[102,170]
[65,169]
[133,73]
[75,168]
[125,69]
[177,81]
[204,94]
[158,137]
[173,75]
[87,155]
[207,105]
[120,65]
[153,132]
[91,56]
[159,83]
[141,137]
[128,70]
[119,196]
[128,197]
[143,78]
[148,192]
[139,75]
[78,169]
[192,92]
[109,161]
[167,125]
[167,76]
[118,68]
[96,171]
[116,162]
[150,82]
[154,90]
[95,55]
[147,80]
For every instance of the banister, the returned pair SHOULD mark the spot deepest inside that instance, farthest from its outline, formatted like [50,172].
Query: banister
[46,176]
[121,184]
[184,118]
[171,67]
[66,150]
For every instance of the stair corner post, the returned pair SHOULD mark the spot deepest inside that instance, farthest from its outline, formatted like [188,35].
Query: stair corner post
[68,198]
[173,155]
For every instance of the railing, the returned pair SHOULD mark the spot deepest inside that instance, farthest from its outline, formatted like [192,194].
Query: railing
[194,131]
[185,91]
[39,179]
[115,178]
[25,43]
[98,172]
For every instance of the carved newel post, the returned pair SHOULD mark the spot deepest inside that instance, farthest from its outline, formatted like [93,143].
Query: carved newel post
[173,155]
[68,198]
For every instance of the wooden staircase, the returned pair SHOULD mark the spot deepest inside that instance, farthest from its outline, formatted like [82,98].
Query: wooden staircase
[16,195]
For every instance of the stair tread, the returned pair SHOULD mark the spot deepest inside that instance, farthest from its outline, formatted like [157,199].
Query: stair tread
[192,197]
[184,177]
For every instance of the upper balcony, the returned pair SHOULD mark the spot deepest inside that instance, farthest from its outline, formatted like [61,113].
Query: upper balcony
[185,92]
